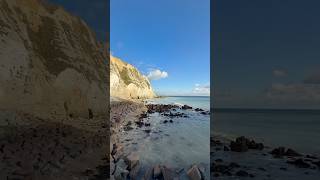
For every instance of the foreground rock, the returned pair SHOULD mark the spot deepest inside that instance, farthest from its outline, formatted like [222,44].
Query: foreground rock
[242,144]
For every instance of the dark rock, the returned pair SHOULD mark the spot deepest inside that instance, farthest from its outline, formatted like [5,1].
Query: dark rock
[240,145]
[283,168]
[186,107]
[242,173]
[234,165]
[90,113]
[156,171]
[311,157]
[198,109]
[134,171]
[316,163]
[147,130]
[132,160]
[148,174]
[292,153]
[167,173]
[165,121]
[139,123]
[299,163]
[278,152]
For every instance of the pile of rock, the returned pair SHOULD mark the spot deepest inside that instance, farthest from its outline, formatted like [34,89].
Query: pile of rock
[219,168]
[160,108]
[242,144]
[127,167]
[282,151]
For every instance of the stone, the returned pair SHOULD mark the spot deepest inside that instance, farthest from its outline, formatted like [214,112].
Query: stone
[148,174]
[167,173]
[194,173]
[134,172]
[156,171]
[292,153]
[242,173]
[299,163]
[132,160]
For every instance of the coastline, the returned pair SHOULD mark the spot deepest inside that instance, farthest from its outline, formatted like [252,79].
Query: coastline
[127,116]
[241,158]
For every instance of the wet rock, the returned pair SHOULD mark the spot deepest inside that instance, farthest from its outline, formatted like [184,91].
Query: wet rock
[148,174]
[165,121]
[278,152]
[121,172]
[160,108]
[134,171]
[156,171]
[171,121]
[292,153]
[253,145]
[205,113]
[185,107]
[147,130]
[198,109]
[167,173]
[234,165]
[317,163]
[240,145]
[311,157]
[194,173]
[242,173]
[132,160]
[139,123]
[281,151]
[299,163]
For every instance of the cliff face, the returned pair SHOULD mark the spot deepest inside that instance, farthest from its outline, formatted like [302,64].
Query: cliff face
[127,82]
[51,64]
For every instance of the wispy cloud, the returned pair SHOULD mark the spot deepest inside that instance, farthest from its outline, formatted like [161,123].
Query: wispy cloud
[157,74]
[201,89]
[279,72]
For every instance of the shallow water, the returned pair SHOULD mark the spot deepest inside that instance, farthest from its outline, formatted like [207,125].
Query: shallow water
[298,129]
[180,144]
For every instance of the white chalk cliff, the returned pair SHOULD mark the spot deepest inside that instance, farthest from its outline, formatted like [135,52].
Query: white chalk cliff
[127,82]
[51,64]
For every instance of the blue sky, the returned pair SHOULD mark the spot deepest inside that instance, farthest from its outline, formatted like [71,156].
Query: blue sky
[93,12]
[170,36]
[266,54]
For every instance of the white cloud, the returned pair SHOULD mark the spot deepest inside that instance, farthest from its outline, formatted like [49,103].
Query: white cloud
[157,74]
[279,73]
[201,89]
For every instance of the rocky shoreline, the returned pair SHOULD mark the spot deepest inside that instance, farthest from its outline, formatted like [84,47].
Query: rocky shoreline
[135,115]
[244,158]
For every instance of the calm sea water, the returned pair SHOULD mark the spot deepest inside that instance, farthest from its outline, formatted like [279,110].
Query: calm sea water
[298,129]
[180,144]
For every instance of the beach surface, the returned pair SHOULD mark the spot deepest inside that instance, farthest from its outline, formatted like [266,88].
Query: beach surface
[149,140]
[34,148]
[243,158]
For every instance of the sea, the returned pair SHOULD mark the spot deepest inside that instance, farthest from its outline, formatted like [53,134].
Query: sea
[297,129]
[180,144]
